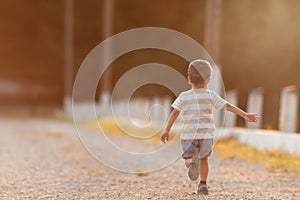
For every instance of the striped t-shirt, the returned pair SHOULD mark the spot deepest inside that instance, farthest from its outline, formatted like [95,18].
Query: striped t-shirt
[196,106]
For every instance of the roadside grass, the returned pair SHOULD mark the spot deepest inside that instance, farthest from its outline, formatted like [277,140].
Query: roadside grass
[277,161]
[122,129]
[226,148]
[53,134]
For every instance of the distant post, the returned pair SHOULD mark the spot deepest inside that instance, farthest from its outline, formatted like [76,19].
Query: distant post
[230,118]
[288,109]
[107,31]
[68,44]
[212,29]
[255,105]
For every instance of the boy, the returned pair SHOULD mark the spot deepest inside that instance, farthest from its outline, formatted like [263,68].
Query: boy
[197,134]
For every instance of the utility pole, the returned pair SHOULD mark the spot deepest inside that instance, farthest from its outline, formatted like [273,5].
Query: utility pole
[107,31]
[68,45]
[108,9]
[212,28]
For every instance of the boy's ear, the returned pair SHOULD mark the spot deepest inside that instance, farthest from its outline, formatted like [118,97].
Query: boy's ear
[207,81]
[189,80]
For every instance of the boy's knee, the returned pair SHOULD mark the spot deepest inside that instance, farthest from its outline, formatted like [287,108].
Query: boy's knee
[204,158]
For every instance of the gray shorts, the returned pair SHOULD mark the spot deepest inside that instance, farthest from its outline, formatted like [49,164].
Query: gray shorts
[200,147]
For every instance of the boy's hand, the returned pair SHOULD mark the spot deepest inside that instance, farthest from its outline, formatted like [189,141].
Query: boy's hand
[251,117]
[164,136]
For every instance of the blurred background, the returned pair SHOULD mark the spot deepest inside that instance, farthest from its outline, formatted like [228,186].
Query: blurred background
[256,43]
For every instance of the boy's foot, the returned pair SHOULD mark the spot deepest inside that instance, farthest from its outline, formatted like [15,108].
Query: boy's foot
[202,189]
[193,172]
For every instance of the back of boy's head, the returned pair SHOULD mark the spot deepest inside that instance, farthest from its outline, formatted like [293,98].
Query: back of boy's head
[199,72]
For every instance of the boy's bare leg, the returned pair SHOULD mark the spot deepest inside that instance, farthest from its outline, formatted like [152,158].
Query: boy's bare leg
[204,168]
[187,162]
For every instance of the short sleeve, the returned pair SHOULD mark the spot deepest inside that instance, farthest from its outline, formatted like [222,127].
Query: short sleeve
[177,104]
[217,101]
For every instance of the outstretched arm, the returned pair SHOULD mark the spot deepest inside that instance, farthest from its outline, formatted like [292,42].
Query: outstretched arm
[173,116]
[250,117]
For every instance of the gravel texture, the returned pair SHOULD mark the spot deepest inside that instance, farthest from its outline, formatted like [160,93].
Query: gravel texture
[44,159]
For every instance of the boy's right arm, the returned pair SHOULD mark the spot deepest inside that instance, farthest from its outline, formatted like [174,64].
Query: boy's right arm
[173,116]
[250,117]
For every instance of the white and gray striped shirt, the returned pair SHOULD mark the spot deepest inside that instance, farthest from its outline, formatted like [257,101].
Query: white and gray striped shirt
[196,106]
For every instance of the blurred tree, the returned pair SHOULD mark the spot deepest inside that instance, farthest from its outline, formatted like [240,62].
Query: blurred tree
[260,45]
[260,41]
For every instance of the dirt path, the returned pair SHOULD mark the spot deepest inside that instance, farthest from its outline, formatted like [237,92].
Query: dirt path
[45,160]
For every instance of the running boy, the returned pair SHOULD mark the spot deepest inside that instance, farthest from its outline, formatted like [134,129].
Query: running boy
[197,134]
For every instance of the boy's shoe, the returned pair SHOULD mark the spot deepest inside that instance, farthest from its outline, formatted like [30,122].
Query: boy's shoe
[193,172]
[202,189]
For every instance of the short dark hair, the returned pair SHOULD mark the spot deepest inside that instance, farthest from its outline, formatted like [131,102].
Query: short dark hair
[199,72]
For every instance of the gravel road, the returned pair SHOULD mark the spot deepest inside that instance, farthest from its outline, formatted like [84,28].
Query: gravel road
[44,159]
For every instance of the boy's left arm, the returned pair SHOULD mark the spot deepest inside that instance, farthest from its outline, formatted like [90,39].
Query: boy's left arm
[250,117]
[165,134]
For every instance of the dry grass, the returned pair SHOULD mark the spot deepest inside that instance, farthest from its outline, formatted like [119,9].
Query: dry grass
[226,148]
[111,127]
[53,134]
[142,174]
[230,148]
